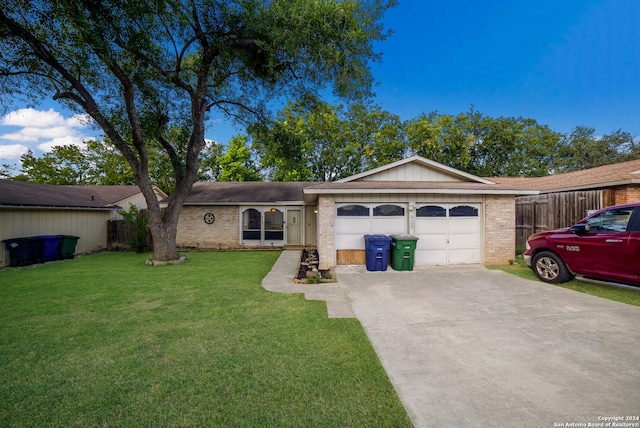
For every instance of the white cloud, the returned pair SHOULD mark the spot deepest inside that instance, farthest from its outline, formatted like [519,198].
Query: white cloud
[28,117]
[41,130]
[12,151]
[61,141]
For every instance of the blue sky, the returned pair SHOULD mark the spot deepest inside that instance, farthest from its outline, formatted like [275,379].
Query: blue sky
[564,63]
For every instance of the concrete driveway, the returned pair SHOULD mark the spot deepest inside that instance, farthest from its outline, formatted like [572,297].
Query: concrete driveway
[470,347]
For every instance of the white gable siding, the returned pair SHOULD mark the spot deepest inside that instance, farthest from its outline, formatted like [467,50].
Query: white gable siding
[410,172]
[138,200]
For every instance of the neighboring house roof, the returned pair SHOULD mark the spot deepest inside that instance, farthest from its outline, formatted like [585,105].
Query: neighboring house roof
[246,192]
[604,176]
[26,194]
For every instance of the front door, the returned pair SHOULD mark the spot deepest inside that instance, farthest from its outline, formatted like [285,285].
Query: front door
[294,227]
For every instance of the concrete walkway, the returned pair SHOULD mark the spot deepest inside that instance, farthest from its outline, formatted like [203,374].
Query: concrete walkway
[280,280]
[468,347]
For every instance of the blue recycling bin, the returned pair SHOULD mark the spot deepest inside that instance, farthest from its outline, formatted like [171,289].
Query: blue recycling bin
[377,252]
[50,247]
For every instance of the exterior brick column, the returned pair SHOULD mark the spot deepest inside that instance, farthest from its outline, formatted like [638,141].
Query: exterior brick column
[326,245]
[499,230]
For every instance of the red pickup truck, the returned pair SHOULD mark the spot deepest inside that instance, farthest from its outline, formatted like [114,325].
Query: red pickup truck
[602,247]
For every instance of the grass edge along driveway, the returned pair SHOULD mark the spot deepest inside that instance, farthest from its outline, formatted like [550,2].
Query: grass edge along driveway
[104,340]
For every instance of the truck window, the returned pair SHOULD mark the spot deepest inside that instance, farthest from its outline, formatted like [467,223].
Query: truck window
[611,221]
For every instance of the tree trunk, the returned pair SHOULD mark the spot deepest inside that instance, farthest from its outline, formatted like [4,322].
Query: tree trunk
[164,240]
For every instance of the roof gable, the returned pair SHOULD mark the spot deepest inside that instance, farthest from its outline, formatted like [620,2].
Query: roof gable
[416,168]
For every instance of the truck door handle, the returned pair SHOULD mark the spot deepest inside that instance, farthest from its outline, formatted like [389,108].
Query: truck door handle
[612,241]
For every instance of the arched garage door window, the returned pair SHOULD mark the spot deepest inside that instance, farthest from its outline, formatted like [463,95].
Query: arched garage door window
[463,211]
[431,211]
[388,211]
[353,211]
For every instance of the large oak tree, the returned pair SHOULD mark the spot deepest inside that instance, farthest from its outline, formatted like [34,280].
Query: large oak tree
[141,67]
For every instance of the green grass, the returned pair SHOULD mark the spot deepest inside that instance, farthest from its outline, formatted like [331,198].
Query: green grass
[105,340]
[631,297]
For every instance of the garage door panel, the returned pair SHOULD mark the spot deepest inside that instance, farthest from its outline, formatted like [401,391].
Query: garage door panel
[350,242]
[430,257]
[464,225]
[464,241]
[352,222]
[451,235]
[432,242]
[427,226]
[462,256]
[352,226]
[389,226]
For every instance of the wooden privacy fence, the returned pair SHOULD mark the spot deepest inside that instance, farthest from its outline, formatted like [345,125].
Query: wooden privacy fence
[119,233]
[552,211]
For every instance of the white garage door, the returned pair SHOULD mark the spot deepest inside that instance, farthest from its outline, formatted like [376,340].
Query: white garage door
[353,221]
[448,234]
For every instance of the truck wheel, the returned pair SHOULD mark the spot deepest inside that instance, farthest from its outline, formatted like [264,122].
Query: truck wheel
[549,267]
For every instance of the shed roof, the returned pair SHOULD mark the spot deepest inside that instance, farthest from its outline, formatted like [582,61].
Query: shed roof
[603,176]
[27,194]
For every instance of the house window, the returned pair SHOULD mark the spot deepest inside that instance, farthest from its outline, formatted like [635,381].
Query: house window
[463,211]
[431,211]
[251,222]
[353,211]
[273,225]
[388,211]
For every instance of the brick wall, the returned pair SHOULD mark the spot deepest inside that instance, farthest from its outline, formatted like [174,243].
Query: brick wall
[193,232]
[499,230]
[627,194]
[326,246]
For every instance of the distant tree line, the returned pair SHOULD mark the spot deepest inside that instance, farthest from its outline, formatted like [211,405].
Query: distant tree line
[315,141]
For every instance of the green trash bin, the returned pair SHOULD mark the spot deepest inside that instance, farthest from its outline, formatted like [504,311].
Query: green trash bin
[68,246]
[403,249]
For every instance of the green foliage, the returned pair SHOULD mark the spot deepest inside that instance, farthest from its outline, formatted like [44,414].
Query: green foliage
[138,223]
[484,146]
[144,68]
[583,149]
[236,164]
[314,141]
[65,165]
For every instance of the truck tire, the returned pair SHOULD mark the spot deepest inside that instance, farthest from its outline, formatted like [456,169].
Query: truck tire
[549,267]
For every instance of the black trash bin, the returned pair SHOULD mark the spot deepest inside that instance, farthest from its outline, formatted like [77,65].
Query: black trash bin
[24,251]
[68,246]
[50,247]
[377,252]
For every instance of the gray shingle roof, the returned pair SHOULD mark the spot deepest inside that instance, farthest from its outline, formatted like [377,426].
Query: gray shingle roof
[26,194]
[247,191]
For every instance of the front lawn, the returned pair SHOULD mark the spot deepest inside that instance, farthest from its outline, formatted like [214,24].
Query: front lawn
[631,297]
[105,340]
